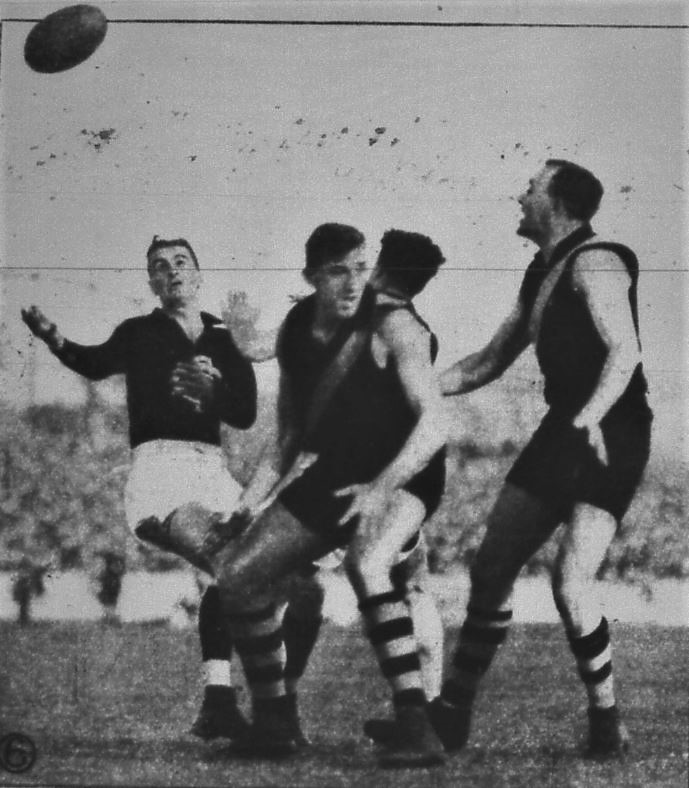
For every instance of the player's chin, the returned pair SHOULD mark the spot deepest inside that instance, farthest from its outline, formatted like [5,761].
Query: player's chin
[347,308]
[525,228]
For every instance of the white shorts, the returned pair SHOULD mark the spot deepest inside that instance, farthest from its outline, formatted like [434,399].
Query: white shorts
[166,474]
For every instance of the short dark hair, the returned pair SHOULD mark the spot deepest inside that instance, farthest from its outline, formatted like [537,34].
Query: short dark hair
[409,260]
[576,187]
[331,242]
[164,243]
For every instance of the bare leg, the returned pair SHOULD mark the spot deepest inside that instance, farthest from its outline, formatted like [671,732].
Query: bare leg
[428,625]
[587,538]
[389,627]
[518,525]
[183,532]
[251,571]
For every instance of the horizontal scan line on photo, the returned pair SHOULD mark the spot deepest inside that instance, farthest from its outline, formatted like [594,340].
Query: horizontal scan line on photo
[376,23]
[221,269]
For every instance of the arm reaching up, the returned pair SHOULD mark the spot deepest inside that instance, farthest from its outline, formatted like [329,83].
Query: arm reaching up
[43,328]
[95,362]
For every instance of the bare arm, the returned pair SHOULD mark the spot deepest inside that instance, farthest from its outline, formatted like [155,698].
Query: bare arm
[477,369]
[407,346]
[603,280]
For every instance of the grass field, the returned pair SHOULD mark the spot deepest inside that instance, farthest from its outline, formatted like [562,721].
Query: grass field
[111,706]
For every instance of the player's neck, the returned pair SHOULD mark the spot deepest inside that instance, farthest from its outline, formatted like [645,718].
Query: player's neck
[325,326]
[188,315]
[560,229]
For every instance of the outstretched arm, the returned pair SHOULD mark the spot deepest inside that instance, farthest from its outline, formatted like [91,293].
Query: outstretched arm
[407,347]
[603,281]
[477,369]
[95,362]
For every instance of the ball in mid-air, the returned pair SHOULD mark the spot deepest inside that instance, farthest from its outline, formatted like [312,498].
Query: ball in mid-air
[65,38]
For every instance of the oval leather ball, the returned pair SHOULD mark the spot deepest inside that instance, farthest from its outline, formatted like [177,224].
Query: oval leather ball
[65,38]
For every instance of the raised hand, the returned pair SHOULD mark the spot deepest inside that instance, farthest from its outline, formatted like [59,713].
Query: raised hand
[41,326]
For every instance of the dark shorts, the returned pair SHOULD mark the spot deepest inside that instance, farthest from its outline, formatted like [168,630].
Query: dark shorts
[558,465]
[310,499]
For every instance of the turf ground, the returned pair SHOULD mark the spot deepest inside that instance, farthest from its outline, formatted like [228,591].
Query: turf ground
[111,706]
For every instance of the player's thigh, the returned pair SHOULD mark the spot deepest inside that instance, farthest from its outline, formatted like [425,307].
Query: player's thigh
[411,568]
[258,561]
[518,525]
[401,522]
[585,542]
[304,594]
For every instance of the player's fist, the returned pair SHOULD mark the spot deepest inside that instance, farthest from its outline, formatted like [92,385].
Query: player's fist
[41,326]
[194,381]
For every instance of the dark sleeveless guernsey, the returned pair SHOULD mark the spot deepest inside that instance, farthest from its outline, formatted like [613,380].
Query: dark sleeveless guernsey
[363,427]
[558,465]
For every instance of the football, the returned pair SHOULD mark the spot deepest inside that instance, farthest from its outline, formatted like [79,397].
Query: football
[65,38]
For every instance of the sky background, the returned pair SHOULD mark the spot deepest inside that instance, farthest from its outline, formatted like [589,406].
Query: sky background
[244,137]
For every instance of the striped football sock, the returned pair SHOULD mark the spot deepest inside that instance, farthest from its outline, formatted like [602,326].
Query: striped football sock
[300,638]
[594,662]
[482,633]
[260,645]
[215,638]
[389,628]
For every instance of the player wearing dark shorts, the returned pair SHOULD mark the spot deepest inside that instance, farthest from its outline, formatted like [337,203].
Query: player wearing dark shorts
[581,468]
[366,424]
[358,395]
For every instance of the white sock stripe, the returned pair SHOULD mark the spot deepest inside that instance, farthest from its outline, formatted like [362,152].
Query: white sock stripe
[384,613]
[396,648]
[217,672]
[597,662]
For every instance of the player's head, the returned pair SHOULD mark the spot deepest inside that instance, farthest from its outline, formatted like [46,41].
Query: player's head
[576,188]
[159,243]
[406,262]
[330,242]
[561,192]
[337,267]
[173,270]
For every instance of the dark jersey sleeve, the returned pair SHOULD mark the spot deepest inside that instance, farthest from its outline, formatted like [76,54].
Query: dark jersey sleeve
[96,362]
[236,391]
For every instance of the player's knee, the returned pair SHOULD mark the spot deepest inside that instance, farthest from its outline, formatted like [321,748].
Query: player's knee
[368,568]
[306,598]
[235,585]
[568,587]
